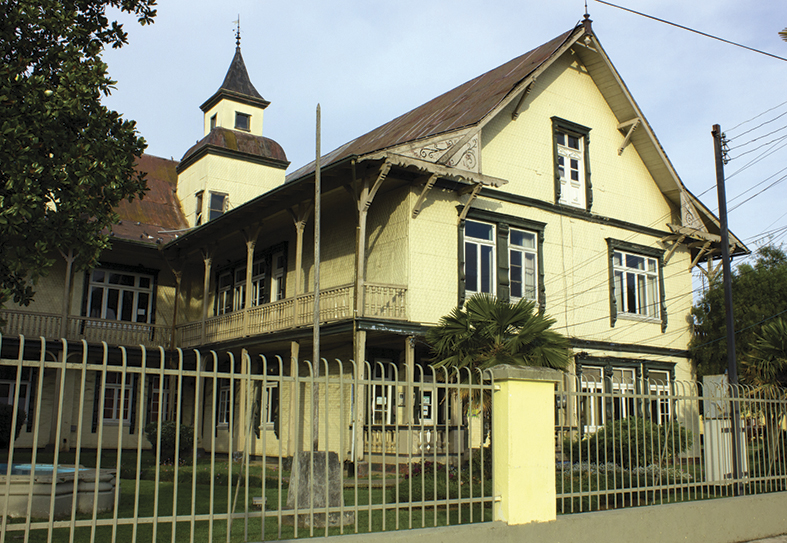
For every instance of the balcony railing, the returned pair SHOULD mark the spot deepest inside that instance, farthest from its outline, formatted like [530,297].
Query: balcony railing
[382,301]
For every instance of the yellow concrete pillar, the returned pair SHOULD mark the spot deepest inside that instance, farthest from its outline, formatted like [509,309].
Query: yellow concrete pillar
[523,437]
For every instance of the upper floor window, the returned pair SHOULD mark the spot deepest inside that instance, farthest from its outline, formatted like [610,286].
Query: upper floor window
[268,282]
[213,121]
[523,264]
[572,170]
[218,204]
[120,296]
[242,121]
[636,282]
[198,208]
[479,257]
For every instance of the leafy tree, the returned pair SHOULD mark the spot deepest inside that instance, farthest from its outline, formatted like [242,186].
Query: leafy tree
[783,34]
[66,161]
[488,331]
[759,293]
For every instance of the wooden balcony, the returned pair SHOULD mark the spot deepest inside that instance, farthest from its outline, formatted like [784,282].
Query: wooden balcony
[382,301]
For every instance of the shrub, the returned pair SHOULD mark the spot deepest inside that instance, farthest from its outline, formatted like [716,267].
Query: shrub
[430,481]
[168,433]
[631,442]
[6,418]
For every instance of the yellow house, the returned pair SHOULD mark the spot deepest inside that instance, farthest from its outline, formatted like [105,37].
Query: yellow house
[540,179]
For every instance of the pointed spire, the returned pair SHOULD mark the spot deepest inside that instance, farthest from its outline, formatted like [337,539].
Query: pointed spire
[237,85]
[586,22]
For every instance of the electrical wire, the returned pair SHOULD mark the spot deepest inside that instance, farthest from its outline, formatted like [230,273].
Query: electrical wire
[755,117]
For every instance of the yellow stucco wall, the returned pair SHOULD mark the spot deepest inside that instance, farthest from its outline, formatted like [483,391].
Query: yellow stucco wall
[225,116]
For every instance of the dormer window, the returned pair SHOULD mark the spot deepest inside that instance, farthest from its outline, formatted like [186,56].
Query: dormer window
[213,121]
[242,121]
[198,211]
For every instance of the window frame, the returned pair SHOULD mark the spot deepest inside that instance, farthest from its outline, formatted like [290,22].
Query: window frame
[213,212]
[199,207]
[480,243]
[116,385]
[224,401]
[230,286]
[569,128]
[245,127]
[503,224]
[623,247]
[91,283]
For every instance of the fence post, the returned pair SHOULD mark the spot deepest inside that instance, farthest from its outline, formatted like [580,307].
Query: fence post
[523,434]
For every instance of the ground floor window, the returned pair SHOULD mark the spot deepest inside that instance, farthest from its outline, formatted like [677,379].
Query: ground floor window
[117,398]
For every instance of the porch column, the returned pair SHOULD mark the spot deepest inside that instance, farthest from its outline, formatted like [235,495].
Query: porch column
[360,393]
[67,293]
[299,219]
[409,361]
[250,244]
[523,430]
[293,418]
[243,399]
[208,261]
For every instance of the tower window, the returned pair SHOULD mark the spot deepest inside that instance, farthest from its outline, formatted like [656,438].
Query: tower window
[213,122]
[242,121]
[218,204]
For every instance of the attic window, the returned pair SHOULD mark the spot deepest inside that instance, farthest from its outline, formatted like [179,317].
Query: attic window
[242,121]
[198,211]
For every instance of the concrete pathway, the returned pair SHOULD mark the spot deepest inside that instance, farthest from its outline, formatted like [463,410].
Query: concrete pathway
[777,539]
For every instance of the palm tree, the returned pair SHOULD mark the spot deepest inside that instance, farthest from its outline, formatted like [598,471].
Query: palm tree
[766,364]
[487,332]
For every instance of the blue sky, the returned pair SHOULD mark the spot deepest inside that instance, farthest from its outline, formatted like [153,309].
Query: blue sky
[368,62]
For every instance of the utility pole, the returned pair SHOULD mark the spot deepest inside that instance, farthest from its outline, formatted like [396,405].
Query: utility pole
[316,333]
[719,145]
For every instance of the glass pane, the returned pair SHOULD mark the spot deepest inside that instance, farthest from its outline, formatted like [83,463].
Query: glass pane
[96,302]
[573,142]
[471,267]
[619,292]
[631,293]
[560,138]
[617,259]
[653,297]
[113,303]
[523,239]
[98,276]
[487,271]
[109,403]
[144,282]
[515,271]
[635,262]
[530,276]
[127,311]
[142,307]
[479,230]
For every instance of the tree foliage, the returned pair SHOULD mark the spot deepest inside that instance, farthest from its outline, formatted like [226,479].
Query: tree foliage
[759,293]
[487,332]
[66,161]
[766,362]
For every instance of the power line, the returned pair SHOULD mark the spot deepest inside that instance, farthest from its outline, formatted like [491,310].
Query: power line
[693,30]
[755,117]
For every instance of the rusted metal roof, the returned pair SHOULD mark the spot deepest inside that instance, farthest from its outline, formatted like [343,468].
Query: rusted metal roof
[219,138]
[148,219]
[463,106]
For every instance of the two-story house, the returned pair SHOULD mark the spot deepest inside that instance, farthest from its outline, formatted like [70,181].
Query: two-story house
[540,179]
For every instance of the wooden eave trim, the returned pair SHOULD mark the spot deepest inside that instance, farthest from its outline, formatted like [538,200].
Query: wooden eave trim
[229,153]
[424,166]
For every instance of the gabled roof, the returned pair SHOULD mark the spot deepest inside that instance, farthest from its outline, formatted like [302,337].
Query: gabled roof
[237,86]
[463,106]
[152,219]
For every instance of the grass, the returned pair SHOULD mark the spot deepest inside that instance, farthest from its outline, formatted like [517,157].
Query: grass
[382,515]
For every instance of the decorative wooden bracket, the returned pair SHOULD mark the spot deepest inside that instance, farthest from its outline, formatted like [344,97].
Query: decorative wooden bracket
[427,187]
[631,125]
[476,188]
[520,105]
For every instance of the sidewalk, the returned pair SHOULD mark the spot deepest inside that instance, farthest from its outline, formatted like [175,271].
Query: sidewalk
[776,539]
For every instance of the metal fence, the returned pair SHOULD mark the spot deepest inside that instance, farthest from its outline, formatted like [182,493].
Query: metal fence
[634,441]
[146,444]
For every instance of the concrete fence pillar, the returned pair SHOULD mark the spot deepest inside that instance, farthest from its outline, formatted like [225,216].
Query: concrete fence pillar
[523,443]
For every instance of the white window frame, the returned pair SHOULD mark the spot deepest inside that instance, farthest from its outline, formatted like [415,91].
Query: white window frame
[267,419]
[593,404]
[277,276]
[223,400]
[111,283]
[383,395]
[571,168]
[224,294]
[527,265]
[157,403]
[112,392]
[636,290]
[480,258]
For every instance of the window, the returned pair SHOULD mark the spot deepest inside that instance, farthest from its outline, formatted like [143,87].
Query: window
[113,390]
[572,171]
[523,264]
[120,296]
[7,390]
[213,121]
[659,387]
[198,211]
[218,204]
[636,282]
[501,255]
[479,257]
[268,403]
[383,400]
[242,121]
[268,282]
[224,403]
[159,399]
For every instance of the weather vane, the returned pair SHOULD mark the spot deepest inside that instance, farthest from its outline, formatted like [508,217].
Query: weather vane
[237,31]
